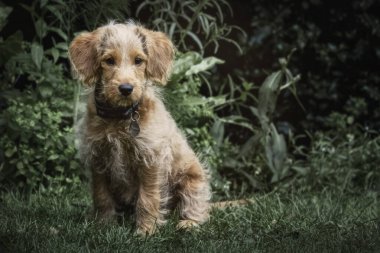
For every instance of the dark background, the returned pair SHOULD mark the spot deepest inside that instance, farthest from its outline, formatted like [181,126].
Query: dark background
[337,55]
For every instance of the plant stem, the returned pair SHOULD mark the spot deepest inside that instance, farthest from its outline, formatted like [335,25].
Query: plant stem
[191,23]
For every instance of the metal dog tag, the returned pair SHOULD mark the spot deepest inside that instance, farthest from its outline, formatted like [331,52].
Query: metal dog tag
[134,128]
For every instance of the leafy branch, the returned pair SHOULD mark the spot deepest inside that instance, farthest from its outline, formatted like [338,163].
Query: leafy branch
[189,21]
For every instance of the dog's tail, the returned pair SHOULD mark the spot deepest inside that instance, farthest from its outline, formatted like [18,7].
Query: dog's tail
[231,203]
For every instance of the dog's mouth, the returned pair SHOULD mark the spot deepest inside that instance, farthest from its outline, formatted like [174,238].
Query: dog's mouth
[122,101]
[117,106]
[124,96]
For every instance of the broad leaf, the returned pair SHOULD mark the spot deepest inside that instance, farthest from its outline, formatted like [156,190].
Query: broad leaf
[4,13]
[41,28]
[268,93]
[37,54]
[10,47]
[204,65]
[183,63]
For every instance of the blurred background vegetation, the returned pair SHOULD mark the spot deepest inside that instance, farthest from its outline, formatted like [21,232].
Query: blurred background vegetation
[274,96]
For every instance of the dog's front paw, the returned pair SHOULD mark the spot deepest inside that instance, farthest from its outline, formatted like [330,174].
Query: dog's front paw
[187,225]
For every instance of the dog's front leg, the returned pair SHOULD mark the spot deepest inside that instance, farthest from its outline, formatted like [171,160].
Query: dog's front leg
[148,202]
[104,204]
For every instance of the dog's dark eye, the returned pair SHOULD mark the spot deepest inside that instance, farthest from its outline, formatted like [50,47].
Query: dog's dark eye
[138,60]
[110,61]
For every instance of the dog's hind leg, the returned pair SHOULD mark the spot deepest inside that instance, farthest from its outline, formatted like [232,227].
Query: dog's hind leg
[193,191]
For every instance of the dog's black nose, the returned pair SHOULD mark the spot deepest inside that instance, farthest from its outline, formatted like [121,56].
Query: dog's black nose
[125,89]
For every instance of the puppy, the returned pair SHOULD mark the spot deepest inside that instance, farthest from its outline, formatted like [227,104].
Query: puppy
[137,155]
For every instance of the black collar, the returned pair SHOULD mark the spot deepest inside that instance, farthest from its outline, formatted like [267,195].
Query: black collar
[108,112]
[104,110]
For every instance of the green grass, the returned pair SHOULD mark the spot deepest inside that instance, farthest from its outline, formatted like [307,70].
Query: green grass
[320,222]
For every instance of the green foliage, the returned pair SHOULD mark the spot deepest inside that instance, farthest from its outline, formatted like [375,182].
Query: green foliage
[36,150]
[37,116]
[4,13]
[349,164]
[274,143]
[92,14]
[230,121]
[333,94]
[190,23]
[189,70]
[261,161]
[337,57]
[12,44]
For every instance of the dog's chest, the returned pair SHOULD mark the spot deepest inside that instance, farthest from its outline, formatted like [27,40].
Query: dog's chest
[121,154]
[113,150]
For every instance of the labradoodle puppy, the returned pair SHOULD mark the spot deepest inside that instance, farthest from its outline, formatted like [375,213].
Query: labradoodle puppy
[137,155]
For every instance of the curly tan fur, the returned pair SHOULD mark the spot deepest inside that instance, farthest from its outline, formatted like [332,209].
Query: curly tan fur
[156,169]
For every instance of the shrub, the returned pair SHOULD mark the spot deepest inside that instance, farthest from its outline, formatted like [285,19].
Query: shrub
[348,164]
[237,126]
[40,99]
[37,151]
[37,111]
[261,161]
[337,57]
[193,25]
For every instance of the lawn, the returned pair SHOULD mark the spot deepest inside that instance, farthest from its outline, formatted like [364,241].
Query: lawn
[319,222]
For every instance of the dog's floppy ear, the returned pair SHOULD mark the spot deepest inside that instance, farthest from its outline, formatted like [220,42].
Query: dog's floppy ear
[83,56]
[160,51]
